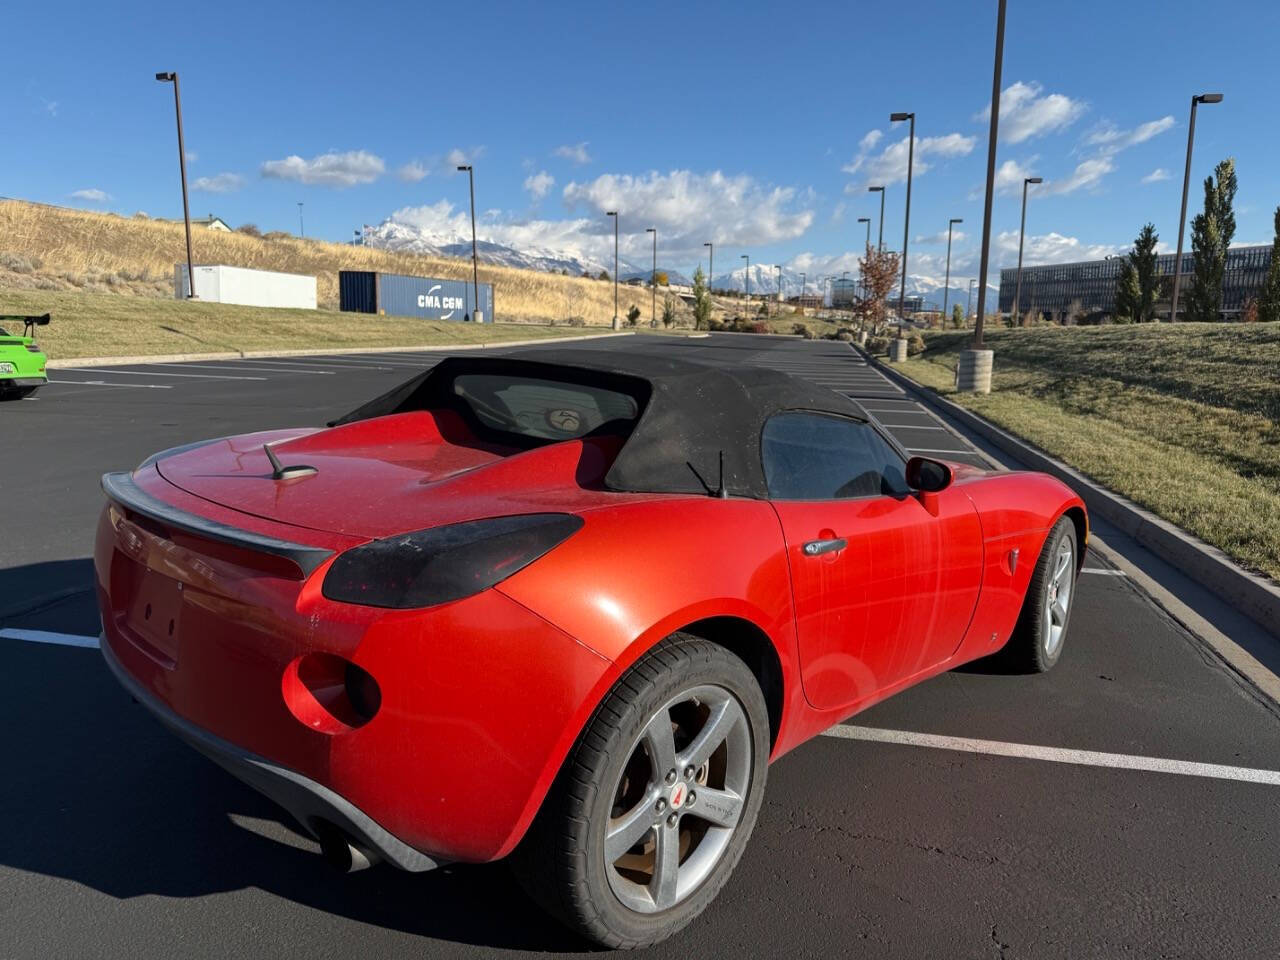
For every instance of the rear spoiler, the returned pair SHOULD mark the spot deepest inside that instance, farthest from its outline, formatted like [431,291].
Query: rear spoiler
[29,321]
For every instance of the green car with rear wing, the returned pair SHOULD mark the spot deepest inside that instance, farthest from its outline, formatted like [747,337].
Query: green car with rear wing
[21,360]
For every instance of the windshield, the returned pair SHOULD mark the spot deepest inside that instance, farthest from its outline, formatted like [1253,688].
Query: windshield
[543,409]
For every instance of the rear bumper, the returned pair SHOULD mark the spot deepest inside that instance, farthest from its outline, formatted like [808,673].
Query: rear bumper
[312,804]
[18,382]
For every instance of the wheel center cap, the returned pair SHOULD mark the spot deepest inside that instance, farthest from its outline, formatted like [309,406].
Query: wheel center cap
[678,795]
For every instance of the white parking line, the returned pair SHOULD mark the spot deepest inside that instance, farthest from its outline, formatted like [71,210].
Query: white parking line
[940,450]
[44,636]
[1102,572]
[912,426]
[222,366]
[156,373]
[103,383]
[1026,751]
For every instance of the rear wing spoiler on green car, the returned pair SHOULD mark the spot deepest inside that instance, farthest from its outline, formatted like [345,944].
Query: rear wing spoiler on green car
[29,322]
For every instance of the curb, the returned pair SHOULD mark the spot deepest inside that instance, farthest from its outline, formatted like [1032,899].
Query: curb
[1254,596]
[257,354]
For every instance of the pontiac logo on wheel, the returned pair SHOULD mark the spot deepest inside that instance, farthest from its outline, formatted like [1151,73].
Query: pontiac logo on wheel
[564,420]
[677,796]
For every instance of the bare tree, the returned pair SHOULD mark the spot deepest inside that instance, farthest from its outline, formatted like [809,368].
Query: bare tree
[879,274]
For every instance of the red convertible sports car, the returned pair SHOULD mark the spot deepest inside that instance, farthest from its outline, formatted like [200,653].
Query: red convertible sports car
[566,611]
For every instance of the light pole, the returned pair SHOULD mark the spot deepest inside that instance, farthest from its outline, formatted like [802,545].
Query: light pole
[968,306]
[906,220]
[614,214]
[946,284]
[778,310]
[802,285]
[172,77]
[991,177]
[1022,232]
[711,262]
[746,279]
[475,269]
[879,190]
[653,279]
[302,233]
[1186,182]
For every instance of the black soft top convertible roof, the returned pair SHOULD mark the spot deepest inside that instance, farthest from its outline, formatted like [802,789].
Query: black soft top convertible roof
[693,413]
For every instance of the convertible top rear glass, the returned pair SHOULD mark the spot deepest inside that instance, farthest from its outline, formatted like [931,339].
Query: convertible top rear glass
[689,417]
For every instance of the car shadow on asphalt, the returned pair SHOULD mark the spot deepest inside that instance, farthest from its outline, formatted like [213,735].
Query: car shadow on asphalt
[100,794]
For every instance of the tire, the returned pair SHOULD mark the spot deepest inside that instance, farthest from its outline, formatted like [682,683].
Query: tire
[626,896]
[1041,632]
[16,393]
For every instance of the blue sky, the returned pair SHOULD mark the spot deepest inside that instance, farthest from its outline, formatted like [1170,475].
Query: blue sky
[758,126]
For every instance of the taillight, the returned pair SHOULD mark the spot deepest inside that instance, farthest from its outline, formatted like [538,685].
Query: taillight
[444,563]
[32,348]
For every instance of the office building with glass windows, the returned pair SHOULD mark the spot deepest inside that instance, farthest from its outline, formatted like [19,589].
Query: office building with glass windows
[1087,290]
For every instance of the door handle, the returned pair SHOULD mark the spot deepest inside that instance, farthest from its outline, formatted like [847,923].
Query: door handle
[817,547]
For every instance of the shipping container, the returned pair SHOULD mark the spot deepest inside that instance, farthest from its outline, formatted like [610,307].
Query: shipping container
[251,288]
[392,294]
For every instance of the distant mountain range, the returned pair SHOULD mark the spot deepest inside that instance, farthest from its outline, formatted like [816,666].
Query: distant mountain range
[396,236]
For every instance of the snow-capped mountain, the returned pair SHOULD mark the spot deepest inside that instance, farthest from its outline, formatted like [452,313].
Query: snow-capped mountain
[399,237]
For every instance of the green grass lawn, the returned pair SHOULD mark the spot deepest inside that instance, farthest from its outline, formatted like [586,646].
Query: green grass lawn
[1183,419]
[114,325]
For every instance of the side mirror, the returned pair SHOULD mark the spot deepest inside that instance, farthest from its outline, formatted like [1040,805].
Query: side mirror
[928,476]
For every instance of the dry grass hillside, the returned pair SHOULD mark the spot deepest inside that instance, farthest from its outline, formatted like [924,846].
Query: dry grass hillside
[52,248]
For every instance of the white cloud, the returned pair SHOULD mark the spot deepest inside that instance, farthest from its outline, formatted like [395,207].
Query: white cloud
[690,208]
[457,157]
[577,152]
[539,184]
[890,165]
[1156,175]
[865,146]
[1025,114]
[191,156]
[1011,174]
[838,212]
[687,208]
[1087,174]
[219,183]
[1047,248]
[412,172]
[940,237]
[50,106]
[1113,140]
[327,170]
[92,194]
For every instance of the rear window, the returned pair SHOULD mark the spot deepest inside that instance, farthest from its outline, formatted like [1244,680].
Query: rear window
[543,409]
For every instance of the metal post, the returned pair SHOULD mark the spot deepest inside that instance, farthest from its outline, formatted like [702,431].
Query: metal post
[711,264]
[906,223]
[172,76]
[968,305]
[1186,183]
[778,309]
[946,284]
[302,232]
[746,279]
[991,177]
[879,190]
[1022,232]
[475,268]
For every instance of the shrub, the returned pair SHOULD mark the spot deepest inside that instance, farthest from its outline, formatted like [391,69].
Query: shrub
[277,235]
[915,345]
[249,230]
[845,335]
[1249,312]
[877,346]
[633,314]
[575,321]
[802,330]
[760,326]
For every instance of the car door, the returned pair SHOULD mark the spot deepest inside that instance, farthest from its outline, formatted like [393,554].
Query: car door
[883,585]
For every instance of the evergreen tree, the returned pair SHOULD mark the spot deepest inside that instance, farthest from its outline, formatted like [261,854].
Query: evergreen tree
[1211,234]
[701,301]
[1269,298]
[1138,284]
[957,316]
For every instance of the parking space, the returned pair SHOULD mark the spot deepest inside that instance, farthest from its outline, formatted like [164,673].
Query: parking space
[1119,805]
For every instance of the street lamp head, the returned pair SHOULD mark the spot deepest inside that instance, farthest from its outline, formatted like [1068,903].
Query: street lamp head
[650,229]
[168,78]
[874,189]
[1210,98]
[956,220]
[463,166]
[706,244]
[898,117]
[864,219]
[1035,180]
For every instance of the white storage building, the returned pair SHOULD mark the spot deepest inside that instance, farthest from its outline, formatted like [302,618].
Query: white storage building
[250,288]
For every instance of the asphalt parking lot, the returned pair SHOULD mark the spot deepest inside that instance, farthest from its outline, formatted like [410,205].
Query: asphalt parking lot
[976,815]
